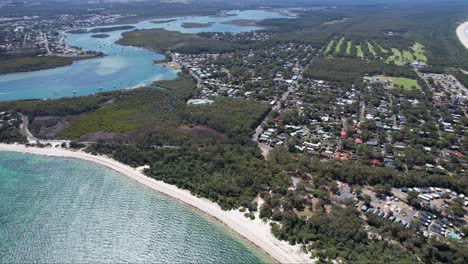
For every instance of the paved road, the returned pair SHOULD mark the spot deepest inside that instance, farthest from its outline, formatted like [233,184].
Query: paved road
[276,107]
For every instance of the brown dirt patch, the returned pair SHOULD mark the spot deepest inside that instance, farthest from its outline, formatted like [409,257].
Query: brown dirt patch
[48,127]
[201,133]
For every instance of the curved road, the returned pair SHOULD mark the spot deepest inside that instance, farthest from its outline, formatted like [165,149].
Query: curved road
[32,139]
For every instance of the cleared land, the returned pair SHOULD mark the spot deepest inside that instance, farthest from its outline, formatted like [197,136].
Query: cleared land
[418,52]
[406,83]
[396,57]
[336,21]
[360,53]
[371,48]
[383,50]
[408,56]
[329,46]
[339,45]
[348,47]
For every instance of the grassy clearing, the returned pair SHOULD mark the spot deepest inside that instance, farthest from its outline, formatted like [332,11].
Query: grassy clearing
[408,56]
[360,53]
[382,49]
[396,57]
[304,213]
[348,47]
[371,48]
[329,46]
[418,52]
[339,45]
[406,83]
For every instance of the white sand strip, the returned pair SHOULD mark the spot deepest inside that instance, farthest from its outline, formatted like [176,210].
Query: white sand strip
[461,34]
[255,231]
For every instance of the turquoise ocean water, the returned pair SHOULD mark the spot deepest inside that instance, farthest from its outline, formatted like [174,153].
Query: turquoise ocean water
[65,210]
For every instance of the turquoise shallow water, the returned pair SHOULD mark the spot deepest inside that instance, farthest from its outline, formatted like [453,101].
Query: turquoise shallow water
[123,67]
[66,210]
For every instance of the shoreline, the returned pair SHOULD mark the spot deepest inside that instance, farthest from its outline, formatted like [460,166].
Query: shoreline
[461,34]
[255,231]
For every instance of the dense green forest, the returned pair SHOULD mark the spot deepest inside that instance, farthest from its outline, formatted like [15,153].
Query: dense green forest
[233,175]
[349,70]
[229,174]
[33,63]
[164,40]
[237,118]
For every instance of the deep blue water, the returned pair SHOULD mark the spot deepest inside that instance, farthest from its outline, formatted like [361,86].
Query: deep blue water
[123,67]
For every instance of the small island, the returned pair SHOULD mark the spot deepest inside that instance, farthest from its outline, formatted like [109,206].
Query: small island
[110,29]
[163,21]
[100,36]
[77,31]
[196,25]
[241,22]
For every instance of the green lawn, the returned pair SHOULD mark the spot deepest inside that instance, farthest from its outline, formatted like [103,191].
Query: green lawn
[329,46]
[382,49]
[360,53]
[348,47]
[406,83]
[396,57]
[408,56]
[339,45]
[371,49]
[418,52]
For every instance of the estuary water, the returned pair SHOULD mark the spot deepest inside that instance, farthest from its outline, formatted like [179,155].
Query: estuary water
[124,66]
[64,210]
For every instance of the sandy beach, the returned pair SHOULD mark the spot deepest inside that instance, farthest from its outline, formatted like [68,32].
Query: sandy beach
[461,34]
[255,231]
